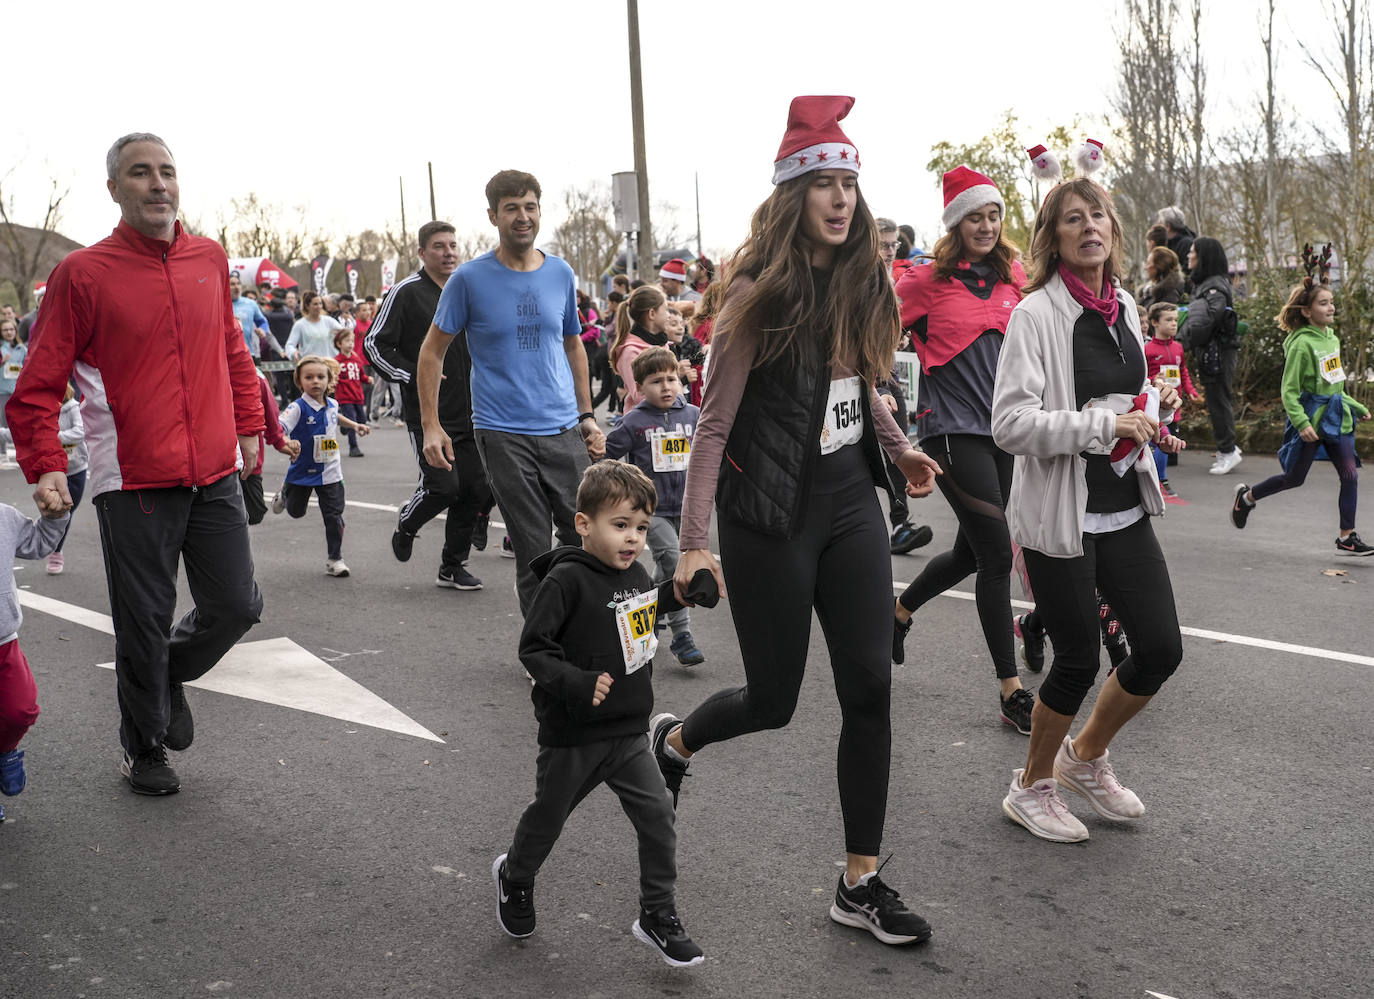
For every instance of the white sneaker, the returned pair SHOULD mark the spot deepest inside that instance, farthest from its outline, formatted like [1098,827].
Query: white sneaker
[1041,810]
[1225,463]
[279,501]
[1095,780]
[336,567]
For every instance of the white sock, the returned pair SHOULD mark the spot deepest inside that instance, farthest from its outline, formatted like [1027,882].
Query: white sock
[864,879]
[673,753]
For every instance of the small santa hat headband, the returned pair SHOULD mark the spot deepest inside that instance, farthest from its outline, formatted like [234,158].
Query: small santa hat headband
[673,270]
[966,191]
[814,139]
[1045,165]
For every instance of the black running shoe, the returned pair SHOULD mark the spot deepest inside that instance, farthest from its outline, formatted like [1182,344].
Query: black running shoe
[1032,644]
[670,766]
[871,905]
[663,931]
[1016,710]
[899,633]
[514,903]
[479,532]
[1117,651]
[1352,545]
[908,537]
[149,772]
[507,548]
[181,727]
[457,579]
[1240,509]
[402,544]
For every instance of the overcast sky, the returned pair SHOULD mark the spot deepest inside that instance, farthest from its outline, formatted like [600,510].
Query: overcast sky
[326,104]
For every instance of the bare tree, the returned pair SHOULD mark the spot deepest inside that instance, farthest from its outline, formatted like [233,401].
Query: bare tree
[254,228]
[1195,172]
[24,252]
[586,239]
[1345,173]
[1149,123]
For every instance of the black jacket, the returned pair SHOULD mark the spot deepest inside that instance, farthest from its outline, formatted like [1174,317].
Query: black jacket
[393,347]
[1209,303]
[570,638]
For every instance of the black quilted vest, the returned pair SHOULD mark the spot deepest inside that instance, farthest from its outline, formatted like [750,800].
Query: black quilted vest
[774,445]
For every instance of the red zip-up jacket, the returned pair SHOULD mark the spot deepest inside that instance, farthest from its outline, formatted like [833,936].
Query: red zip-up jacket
[146,329]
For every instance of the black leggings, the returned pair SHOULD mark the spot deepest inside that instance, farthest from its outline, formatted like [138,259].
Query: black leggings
[1128,567]
[976,482]
[842,566]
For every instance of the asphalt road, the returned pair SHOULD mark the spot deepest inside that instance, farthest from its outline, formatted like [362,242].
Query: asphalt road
[312,856]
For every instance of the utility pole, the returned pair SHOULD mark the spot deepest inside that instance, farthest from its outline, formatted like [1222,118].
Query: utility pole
[433,212]
[405,243]
[696,183]
[646,230]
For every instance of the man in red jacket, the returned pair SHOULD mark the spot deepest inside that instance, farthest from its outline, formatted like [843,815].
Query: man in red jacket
[142,322]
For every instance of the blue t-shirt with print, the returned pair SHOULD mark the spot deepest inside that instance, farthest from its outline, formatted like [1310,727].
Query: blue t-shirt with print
[248,314]
[516,323]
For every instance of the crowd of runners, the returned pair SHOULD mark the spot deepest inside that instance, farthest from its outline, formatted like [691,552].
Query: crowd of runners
[764,393]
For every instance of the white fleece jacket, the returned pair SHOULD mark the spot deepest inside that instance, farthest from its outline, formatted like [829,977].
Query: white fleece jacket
[1035,418]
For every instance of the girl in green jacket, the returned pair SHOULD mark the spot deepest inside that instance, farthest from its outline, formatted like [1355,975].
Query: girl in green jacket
[1320,415]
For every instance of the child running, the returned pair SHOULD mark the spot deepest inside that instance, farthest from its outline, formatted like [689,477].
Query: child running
[1164,356]
[313,421]
[351,392]
[1321,417]
[23,538]
[589,644]
[656,436]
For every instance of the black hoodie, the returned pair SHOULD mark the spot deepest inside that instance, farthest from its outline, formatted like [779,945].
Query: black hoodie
[570,638]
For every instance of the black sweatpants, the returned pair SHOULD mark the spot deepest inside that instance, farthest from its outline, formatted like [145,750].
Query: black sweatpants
[331,497]
[977,482]
[564,775]
[143,533]
[1128,567]
[840,565]
[462,491]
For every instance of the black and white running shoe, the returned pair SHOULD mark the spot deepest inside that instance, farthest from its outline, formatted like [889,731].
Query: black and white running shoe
[663,931]
[670,766]
[871,905]
[514,903]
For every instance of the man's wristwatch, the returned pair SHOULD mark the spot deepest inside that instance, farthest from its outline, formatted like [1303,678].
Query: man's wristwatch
[585,416]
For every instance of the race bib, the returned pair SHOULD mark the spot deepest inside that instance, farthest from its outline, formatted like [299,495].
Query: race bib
[634,618]
[1330,367]
[1171,375]
[671,449]
[326,448]
[844,420]
[12,369]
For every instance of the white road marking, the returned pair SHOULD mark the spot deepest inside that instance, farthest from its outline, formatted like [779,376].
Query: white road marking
[1157,995]
[1215,636]
[278,671]
[275,671]
[384,507]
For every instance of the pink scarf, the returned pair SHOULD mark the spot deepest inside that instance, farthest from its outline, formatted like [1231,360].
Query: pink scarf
[1107,306]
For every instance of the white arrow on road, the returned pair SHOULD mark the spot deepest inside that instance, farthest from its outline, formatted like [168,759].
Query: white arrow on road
[274,670]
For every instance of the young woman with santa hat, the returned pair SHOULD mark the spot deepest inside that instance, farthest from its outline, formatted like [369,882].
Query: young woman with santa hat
[1072,403]
[957,310]
[789,446]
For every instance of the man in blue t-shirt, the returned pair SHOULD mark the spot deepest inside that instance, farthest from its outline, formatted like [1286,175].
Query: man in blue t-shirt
[531,401]
[249,315]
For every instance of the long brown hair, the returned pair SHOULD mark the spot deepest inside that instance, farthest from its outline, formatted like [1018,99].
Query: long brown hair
[1044,248]
[859,321]
[1290,317]
[949,250]
[643,300]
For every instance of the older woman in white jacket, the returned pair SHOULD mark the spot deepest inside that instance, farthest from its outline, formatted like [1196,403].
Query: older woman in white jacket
[1071,388]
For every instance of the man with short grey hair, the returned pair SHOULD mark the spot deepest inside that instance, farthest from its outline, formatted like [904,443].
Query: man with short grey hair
[169,426]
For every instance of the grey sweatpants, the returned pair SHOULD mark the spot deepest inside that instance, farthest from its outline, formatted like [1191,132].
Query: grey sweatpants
[534,480]
[664,545]
[564,775]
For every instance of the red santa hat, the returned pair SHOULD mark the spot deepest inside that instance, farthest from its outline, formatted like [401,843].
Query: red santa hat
[814,140]
[673,270]
[966,191]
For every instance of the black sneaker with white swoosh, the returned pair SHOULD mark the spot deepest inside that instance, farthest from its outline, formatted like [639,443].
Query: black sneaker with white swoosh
[514,903]
[871,905]
[663,931]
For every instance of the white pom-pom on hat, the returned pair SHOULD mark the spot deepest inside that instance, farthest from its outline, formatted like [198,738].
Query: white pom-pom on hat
[1088,156]
[1044,164]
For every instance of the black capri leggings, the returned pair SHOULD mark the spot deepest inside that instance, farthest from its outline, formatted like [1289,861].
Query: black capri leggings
[976,481]
[841,565]
[1128,567]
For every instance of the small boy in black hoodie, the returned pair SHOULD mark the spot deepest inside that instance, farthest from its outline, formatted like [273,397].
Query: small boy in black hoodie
[589,645]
